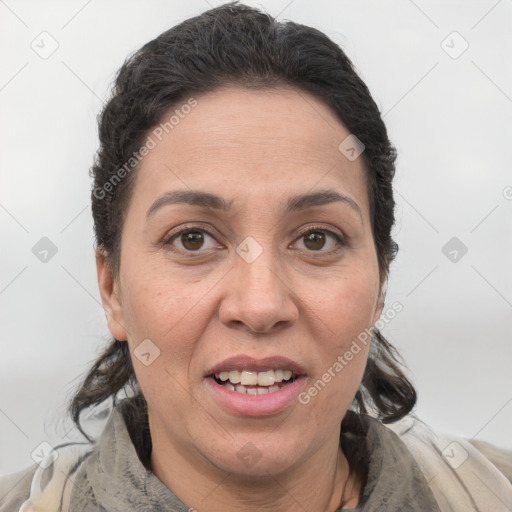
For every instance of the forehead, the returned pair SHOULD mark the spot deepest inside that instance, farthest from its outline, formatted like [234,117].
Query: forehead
[251,143]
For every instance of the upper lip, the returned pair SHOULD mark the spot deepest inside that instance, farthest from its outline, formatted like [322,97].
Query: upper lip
[243,362]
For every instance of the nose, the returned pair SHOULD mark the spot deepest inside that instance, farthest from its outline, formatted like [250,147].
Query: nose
[258,296]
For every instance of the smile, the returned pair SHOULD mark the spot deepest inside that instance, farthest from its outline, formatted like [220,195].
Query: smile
[247,386]
[249,382]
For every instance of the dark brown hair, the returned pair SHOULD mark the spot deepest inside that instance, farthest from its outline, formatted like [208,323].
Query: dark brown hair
[236,44]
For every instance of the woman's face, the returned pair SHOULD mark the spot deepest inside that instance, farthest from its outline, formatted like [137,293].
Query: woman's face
[237,256]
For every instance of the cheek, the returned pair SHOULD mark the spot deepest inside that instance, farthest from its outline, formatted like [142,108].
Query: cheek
[167,309]
[342,315]
[346,306]
[170,310]
[157,301]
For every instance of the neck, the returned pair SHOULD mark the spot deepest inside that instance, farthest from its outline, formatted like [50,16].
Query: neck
[321,483]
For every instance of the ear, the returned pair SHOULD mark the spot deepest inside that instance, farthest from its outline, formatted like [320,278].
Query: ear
[379,306]
[109,290]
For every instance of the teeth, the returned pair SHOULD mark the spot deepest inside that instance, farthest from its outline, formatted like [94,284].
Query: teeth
[249,378]
[252,378]
[266,378]
[240,388]
[254,389]
[234,377]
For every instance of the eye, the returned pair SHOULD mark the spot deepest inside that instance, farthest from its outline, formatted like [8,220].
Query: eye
[321,240]
[195,239]
[191,240]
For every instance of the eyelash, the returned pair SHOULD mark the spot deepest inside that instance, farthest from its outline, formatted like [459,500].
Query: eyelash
[338,239]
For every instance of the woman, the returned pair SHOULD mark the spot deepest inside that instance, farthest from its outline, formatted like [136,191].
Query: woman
[243,208]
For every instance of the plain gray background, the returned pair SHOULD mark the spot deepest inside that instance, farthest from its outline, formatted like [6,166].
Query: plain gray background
[448,111]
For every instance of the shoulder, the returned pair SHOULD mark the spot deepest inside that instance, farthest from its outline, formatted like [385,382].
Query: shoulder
[15,489]
[500,457]
[464,475]
[43,486]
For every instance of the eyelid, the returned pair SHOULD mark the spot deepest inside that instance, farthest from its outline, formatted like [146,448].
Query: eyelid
[323,229]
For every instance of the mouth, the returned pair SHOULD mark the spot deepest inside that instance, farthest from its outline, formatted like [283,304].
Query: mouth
[255,387]
[253,382]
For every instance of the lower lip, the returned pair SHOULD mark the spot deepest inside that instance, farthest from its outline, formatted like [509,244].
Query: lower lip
[256,405]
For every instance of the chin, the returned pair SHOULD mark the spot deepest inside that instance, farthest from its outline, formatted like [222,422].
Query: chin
[257,456]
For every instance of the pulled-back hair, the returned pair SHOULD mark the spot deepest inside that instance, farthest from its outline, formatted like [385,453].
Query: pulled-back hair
[238,45]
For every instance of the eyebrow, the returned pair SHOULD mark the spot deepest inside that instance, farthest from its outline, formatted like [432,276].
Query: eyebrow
[294,204]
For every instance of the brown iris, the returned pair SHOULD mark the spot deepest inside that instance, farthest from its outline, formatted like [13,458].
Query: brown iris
[192,240]
[314,240]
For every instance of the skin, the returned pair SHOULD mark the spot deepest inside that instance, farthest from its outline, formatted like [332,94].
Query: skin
[307,302]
